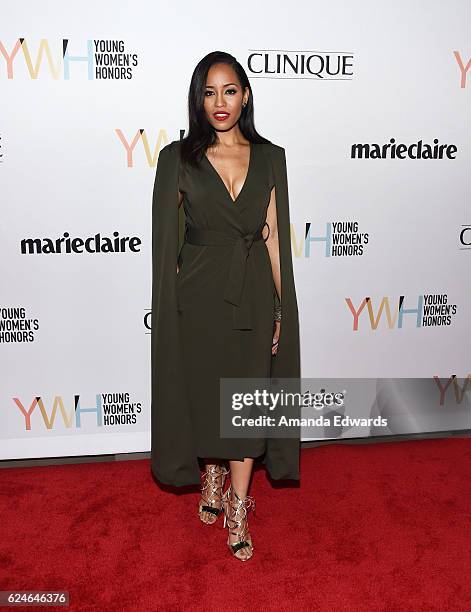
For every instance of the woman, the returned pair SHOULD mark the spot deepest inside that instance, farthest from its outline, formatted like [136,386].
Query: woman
[218,314]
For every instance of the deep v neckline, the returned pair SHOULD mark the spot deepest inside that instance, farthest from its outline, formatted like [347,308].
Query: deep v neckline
[223,184]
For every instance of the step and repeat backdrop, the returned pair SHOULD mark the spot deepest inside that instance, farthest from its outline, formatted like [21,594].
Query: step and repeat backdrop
[372,103]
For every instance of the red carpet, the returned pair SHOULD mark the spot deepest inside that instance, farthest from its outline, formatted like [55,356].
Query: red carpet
[372,527]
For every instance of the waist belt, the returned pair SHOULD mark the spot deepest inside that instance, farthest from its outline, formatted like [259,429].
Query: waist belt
[234,292]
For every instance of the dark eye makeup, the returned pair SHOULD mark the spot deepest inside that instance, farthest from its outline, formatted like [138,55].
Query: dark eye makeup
[231,89]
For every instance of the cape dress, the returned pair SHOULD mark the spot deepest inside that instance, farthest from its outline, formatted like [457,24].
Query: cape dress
[214,318]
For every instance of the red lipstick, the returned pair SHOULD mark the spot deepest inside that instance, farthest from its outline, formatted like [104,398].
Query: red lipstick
[221,115]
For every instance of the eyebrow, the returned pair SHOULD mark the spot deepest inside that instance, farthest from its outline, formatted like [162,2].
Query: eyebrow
[226,85]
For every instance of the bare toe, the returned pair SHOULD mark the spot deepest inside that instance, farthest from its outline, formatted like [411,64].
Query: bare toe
[242,554]
[208,518]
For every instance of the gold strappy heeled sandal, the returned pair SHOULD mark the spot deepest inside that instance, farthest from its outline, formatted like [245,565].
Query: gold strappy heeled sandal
[235,516]
[211,492]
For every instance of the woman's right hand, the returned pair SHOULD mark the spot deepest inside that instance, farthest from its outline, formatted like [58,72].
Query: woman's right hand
[178,269]
[276,337]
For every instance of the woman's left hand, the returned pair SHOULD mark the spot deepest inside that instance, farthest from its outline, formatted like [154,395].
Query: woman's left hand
[276,336]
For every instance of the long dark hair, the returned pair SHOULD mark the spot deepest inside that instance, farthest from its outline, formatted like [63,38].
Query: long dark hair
[201,133]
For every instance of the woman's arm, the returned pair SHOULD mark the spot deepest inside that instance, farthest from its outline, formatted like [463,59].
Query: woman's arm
[272,242]
[274,253]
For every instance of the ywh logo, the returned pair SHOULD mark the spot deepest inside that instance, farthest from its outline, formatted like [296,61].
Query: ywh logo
[430,310]
[110,409]
[102,59]
[336,239]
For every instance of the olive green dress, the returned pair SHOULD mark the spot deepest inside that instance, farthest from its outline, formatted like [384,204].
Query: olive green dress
[214,318]
[214,344]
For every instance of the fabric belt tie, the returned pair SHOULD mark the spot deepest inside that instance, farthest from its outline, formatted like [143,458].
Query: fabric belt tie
[234,291]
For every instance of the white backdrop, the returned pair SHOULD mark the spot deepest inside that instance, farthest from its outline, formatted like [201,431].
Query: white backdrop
[79,155]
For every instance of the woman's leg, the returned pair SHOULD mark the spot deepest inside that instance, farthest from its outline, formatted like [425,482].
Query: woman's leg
[240,475]
[241,472]
[211,490]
